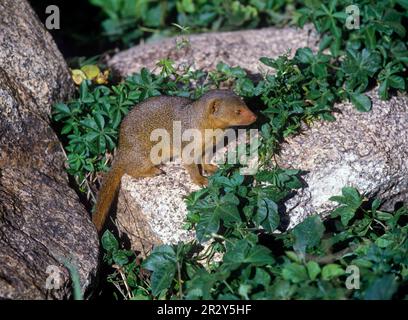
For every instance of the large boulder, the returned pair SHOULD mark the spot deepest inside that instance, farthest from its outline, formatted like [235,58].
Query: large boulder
[43,225]
[364,150]
[204,51]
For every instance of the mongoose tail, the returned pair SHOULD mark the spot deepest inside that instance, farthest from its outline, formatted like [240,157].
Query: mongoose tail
[106,195]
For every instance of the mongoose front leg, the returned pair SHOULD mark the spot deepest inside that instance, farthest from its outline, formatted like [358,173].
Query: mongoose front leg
[195,174]
[208,154]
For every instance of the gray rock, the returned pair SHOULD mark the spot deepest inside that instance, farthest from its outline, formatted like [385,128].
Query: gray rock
[42,223]
[151,211]
[365,150]
[239,48]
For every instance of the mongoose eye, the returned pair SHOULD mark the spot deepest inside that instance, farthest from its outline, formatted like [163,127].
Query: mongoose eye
[238,112]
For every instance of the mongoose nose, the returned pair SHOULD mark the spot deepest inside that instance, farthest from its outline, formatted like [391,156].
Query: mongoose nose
[251,117]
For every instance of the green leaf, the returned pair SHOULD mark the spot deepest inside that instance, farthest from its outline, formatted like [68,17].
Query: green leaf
[397,82]
[120,257]
[99,120]
[282,289]
[308,233]
[403,3]
[90,124]
[304,55]
[313,269]
[362,263]
[227,209]
[109,242]
[359,66]
[375,205]
[384,216]
[160,254]
[188,5]
[385,240]
[295,273]
[209,223]
[62,108]
[346,213]
[244,290]
[352,200]
[361,102]
[268,214]
[332,271]
[200,285]
[370,37]
[352,196]
[325,42]
[261,277]
[259,256]
[162,262]
[153,17]
[382,288]
[241,252]
[267,61]
[293,256]
[383,89]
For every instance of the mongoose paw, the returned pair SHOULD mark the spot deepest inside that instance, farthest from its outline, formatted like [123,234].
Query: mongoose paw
[201,181]
[159,172]
[210,168]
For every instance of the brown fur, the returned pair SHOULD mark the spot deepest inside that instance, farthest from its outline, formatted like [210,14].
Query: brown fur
[217,109]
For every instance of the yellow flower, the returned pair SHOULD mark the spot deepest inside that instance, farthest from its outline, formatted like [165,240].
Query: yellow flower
[102,78]
[91,71]
[78,76]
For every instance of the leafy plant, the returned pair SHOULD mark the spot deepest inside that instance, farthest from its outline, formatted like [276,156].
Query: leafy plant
[127,277]
[129,20]
[374,48]
[309,262]
[91,123]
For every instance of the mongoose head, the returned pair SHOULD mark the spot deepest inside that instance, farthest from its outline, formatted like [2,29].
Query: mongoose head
[226,109]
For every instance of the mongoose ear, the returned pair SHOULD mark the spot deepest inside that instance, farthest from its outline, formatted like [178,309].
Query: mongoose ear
[213,106]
